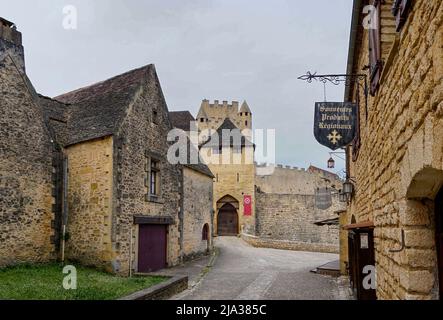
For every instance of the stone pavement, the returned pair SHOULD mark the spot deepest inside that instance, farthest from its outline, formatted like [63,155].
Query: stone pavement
[242,272]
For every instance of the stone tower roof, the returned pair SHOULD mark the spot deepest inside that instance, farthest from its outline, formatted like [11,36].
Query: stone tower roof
[217,138]
[245,107]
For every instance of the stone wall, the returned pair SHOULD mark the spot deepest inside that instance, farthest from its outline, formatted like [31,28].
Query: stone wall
[198,208]
[141,138]
[90,203]
[289,217]
[26,202]
[399,168]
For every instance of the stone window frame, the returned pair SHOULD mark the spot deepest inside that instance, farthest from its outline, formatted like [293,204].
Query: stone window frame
[150,157]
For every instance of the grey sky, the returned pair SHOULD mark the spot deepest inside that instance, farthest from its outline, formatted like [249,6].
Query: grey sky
[225,50]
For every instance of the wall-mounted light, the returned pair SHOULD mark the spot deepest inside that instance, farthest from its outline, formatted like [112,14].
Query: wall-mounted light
[348,188]
[331,163]
[342,197]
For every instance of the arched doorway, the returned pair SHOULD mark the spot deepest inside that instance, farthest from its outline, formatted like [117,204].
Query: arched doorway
[227,221]
[439,237]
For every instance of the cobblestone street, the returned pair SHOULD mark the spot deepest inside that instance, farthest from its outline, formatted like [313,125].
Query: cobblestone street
[242,272]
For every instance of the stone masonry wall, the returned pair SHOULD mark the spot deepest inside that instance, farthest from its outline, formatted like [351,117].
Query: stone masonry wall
[198,207]
[90,203]
[139,138]
[26,234]
[288,217]
[399,168]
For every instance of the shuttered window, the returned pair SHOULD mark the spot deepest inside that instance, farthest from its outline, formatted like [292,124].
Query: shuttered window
[400,10]
[375,62]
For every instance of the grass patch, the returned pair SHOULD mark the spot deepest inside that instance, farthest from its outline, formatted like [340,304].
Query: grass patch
[45,282]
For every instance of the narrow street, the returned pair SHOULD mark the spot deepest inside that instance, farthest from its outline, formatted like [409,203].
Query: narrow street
[242,272]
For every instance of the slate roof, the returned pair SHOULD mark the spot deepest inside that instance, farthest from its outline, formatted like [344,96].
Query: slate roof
[217,138]
[181,120]
[97,110]
[200,166]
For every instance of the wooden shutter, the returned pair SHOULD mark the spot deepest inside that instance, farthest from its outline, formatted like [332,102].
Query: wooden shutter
[401,10]
[375,49]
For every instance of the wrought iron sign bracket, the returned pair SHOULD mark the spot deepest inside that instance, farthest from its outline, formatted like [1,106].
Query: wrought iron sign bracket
[336,79]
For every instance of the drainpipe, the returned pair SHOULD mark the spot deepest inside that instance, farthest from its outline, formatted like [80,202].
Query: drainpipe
[65,205]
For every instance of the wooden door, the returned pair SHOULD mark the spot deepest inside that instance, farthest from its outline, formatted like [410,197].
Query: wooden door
[361,254]
[152,247]
[227,222]
[439,237]
[365,257]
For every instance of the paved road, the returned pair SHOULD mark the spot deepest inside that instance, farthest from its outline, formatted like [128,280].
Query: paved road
[242,272]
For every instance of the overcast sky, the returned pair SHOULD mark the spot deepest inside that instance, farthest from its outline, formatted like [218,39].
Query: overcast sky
[250,50]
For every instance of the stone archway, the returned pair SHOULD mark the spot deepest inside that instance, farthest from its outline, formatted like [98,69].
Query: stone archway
[227,219]
[421,217]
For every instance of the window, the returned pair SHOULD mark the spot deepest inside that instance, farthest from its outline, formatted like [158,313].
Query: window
[154,181]
[238,177]
[246,123]
[155,116]
[401,10]
[375,63]
[202,120]
[246,114]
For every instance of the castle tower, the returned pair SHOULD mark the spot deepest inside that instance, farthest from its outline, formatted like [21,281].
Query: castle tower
[246,115]
[234,192]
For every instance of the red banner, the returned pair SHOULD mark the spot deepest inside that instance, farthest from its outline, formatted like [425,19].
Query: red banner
[247,204]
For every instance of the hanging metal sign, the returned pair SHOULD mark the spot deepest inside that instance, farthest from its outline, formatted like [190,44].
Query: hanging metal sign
[335,123]
[323,198]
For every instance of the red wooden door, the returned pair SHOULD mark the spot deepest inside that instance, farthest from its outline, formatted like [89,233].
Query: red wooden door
[439,237]
[227,223]
[151,247]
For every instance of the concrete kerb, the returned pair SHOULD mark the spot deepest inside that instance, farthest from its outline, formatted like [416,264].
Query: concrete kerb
[161,291]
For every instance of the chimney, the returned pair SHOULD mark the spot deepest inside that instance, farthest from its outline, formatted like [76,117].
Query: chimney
[11,43]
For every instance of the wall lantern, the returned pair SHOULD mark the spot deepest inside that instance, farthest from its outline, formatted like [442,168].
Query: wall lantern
[348,188]
[331,163]
[342,197]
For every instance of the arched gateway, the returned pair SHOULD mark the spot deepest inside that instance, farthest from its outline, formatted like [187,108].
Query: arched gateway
[227,217]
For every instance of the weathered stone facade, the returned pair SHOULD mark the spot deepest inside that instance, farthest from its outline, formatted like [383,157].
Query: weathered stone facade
[198,212]
[27,218]
[90,203]
[286,210]
[101,143]
[399,166]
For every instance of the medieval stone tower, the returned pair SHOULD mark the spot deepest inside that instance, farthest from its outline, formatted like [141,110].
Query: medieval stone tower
[231,162]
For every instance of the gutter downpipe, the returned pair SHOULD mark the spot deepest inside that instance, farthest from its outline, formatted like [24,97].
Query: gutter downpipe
[65,205]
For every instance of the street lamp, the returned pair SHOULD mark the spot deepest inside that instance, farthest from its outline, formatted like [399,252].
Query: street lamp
[342,196]
[331,163]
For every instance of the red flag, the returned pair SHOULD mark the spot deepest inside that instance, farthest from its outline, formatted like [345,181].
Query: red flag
[247,204]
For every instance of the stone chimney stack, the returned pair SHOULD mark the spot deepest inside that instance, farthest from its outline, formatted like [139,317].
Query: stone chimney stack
[11,43]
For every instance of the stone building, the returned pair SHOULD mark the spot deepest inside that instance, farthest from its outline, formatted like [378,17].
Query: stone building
[277,210]
[85,175]
[28,205]
[197,197]
[396,162]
